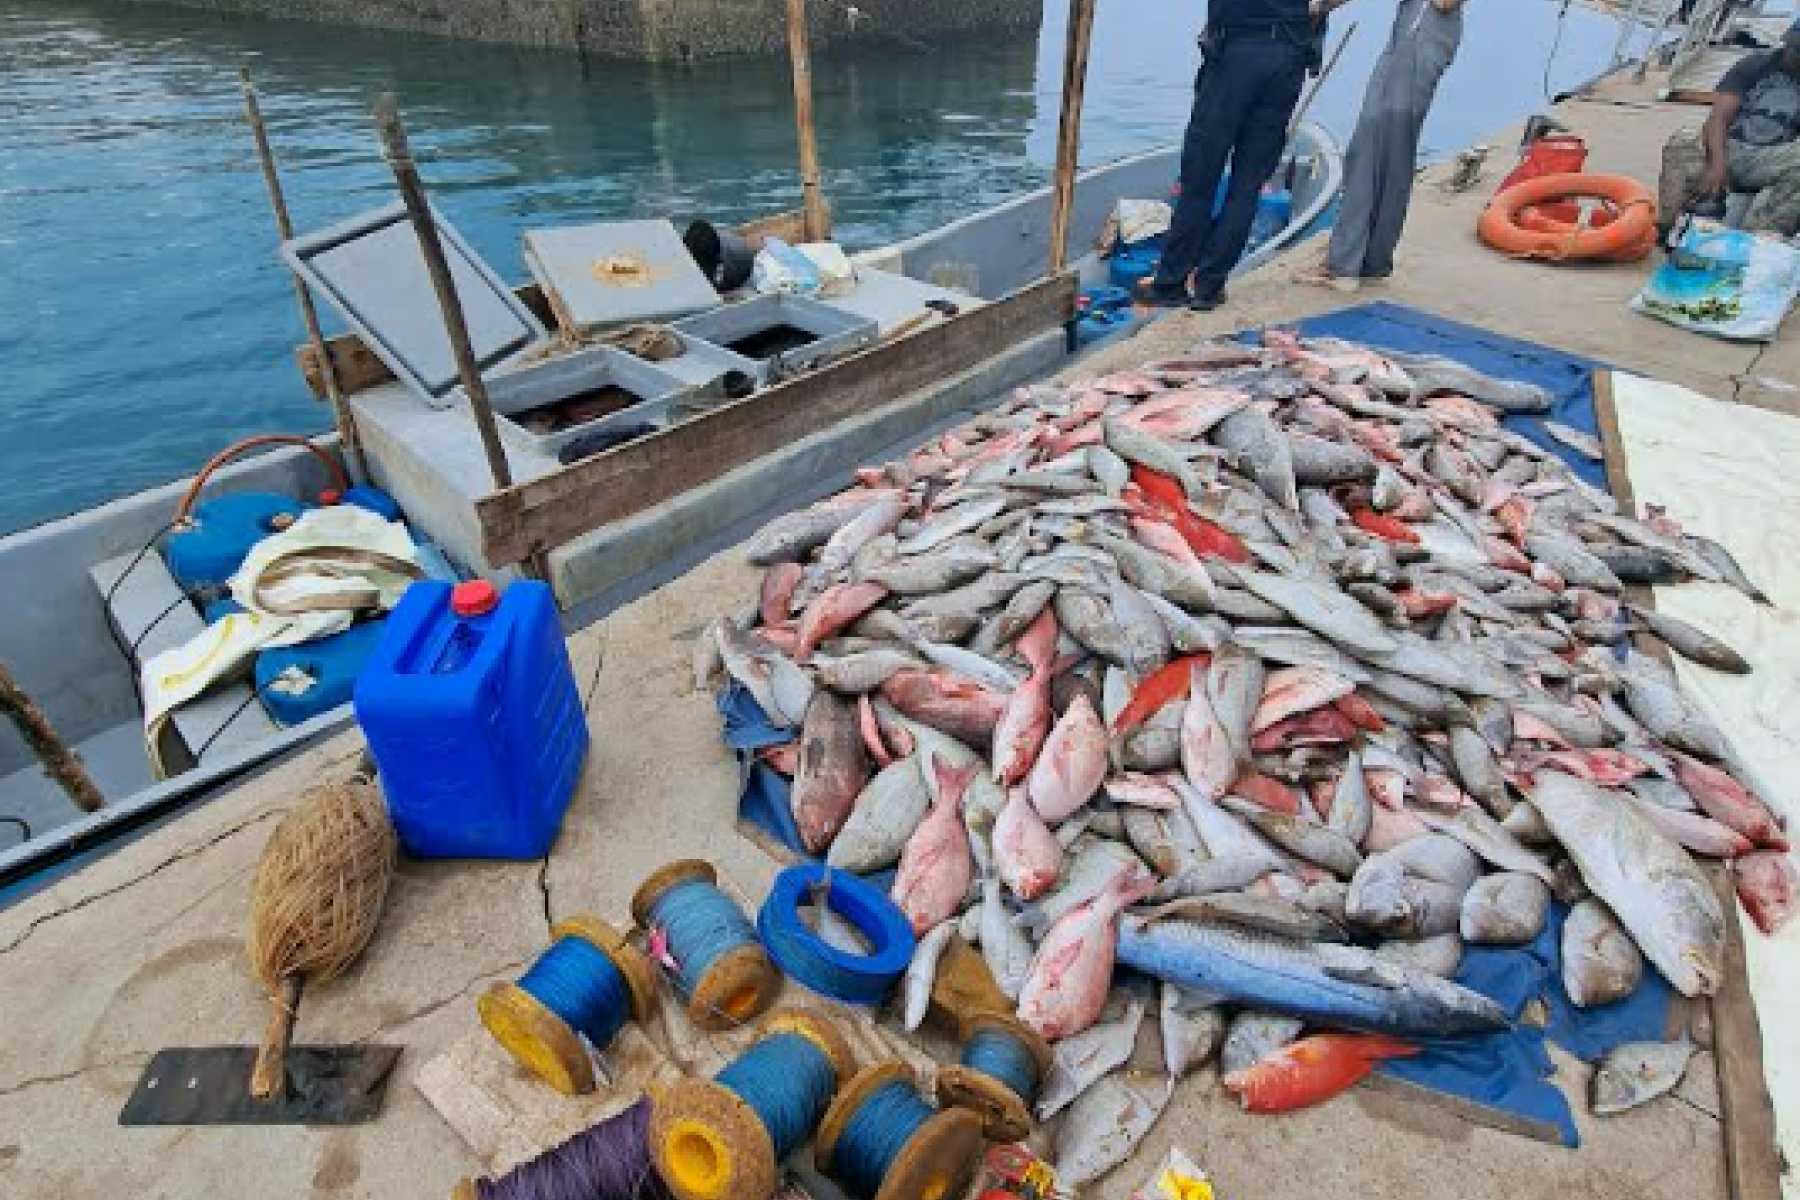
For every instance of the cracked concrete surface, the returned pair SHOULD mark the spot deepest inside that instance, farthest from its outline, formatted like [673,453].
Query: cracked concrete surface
[143,949]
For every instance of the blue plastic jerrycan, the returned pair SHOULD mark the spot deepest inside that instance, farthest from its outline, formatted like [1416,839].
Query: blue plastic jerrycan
[471,711]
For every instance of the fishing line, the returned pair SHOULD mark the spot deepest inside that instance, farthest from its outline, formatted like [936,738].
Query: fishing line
[883,1141]
[1562,22]
[571,1002]
[875,1135]
[705,945]
[610,1161]
[724,1138]
[1004,1063]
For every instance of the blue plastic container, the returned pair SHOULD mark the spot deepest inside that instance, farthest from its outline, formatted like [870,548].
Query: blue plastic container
[330,664]
[1134,261]
[373,499]
[207,551]
[1274,209]
[471,712]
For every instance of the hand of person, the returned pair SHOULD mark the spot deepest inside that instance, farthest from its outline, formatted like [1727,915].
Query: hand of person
[1712,180]
[1318,8]
[1446,6]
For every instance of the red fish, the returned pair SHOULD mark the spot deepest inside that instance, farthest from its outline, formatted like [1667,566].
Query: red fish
[1165,539]
[1765,883]
[1158,489]
[1166,683]
[1383,526]
[1608,768]
[935,867]
[1505,555]
[1312,1070]
[1320,727]
[1025,722]
[1514,515]
[1418,603]
[1203,537]
[947,702]
[778,592]
[838,606]
[783,637]
[1272,794]
[783,758]
[1729,802]
[1361,713]
[871,733]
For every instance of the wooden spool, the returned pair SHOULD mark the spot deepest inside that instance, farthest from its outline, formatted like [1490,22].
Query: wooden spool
[936,1164]
[1005,1117]
[538,1039]
[740,984]
[708,1144]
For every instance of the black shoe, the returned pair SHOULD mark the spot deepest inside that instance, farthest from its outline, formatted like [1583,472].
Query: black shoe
[1208,302]
[1159,295]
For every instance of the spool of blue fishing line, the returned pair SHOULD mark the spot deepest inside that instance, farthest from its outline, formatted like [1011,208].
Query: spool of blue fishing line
[882,1141]
[579,993]
[705,944]
[803,956]
[724,1138]
[1003,1065]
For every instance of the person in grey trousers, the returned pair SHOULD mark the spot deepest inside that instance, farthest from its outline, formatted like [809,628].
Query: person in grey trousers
[1379,166]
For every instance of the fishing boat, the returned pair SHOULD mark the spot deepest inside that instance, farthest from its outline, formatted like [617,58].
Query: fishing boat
[108,592]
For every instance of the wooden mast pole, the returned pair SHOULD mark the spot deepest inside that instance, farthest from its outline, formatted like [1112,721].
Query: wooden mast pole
[284,227]
[412,194]
[1068,134]
[815,222]
[60,761]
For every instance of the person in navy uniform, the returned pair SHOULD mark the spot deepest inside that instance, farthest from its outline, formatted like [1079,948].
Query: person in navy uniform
[1256,55]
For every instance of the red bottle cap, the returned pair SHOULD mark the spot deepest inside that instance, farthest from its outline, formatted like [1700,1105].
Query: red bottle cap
[330,496]
[473,598]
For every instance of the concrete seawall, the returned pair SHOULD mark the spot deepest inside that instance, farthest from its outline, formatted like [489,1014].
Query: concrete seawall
[653,30]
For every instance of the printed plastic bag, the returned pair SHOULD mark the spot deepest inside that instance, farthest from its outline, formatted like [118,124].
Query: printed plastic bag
[780,268]
[1177,1177]
[1726,282]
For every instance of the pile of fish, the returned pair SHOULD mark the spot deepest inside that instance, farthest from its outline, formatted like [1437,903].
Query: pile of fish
[1275,673]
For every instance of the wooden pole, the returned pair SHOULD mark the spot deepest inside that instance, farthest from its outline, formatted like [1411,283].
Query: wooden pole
[60,762]
[412,193]
[1068,134]
[284,227]
[815,222]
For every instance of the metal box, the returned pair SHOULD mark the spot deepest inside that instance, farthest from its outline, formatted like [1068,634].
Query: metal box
[370,269]
[782,333]
[520,396]
[616,272]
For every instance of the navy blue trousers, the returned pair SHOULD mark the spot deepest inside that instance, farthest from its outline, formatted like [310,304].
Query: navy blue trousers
[1243,97]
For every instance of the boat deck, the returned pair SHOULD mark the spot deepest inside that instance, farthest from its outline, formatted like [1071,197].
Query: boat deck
[143,950]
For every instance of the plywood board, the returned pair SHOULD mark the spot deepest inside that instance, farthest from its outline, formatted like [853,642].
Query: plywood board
[1726,471]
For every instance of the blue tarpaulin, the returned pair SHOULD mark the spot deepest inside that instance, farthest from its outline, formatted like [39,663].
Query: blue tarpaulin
[1567,377]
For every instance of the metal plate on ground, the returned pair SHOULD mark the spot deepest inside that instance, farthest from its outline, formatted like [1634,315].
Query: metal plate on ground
[210,1085]
[371,271]
[609,273]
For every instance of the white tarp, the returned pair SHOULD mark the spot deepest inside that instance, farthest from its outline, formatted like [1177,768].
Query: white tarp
[1727,471]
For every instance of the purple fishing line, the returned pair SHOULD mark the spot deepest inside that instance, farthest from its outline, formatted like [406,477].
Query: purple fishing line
[611,1161]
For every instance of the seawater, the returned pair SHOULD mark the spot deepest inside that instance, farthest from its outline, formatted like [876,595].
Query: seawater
[145,319]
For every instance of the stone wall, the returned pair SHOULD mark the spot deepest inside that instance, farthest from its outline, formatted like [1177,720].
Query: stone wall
[654,30]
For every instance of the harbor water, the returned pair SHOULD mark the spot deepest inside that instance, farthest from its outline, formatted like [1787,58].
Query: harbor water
[145,319]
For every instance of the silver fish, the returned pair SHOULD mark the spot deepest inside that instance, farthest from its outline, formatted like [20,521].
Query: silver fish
[1459,667]
[1012,620]
[1583,443]
[792,536]
[1526,824]
[1253,1036]
[1192,1029]
[1089,620]
[971,665]
[1477,770]
[1570,559]
[1146,637]
[1600,962]
[1385,899]
[1638,1072]
[1671,717]
[1721,560]
[886,813]
[1439,955]
[780,687]
[1146,449]
[1111,470]
[1505,909]
[952,522]
[1433,375]
[1188,633]
[1323,609]
[921,973]
[1294,647]
[1264,450]
[1318,462]
[1352,812]
[1082,1059]
[1262,914]
[1188,586]
[873,521]
[1485,836]
[1106,1123]
[1691,642]
[1318,844]
[1089,871]
[952,565]
[1004,946]
[863,671]
[1648,881]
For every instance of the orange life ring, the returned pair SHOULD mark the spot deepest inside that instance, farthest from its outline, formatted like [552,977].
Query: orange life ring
[1628,236]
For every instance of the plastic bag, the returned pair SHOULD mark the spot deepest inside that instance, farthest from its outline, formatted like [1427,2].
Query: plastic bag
[780,268]
[1134,221]
[836,275]
[1729,283]
[1177,1177]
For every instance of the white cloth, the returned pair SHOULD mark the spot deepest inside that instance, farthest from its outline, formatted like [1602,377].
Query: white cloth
[306,582]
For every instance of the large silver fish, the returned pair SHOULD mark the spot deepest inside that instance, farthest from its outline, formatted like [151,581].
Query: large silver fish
[1648,881]
[1083,1059]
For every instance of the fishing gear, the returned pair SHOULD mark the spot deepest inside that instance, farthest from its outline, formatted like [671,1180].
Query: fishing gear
[883,1141]
[803,956]
[1004,1064]
[705,944]
[583,988]
[724,1138]
[610,1161]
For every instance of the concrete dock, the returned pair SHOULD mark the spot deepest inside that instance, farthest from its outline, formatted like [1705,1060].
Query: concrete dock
[143,949]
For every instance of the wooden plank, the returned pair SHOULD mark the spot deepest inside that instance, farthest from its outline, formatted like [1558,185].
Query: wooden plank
[544,513]
[358,368]
[1752,1154]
